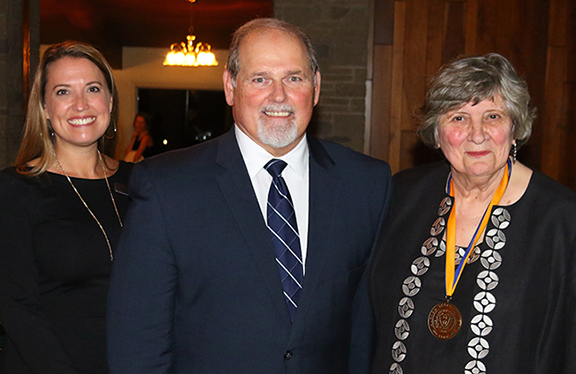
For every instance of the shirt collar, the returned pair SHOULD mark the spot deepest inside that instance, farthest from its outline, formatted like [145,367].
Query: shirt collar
[255,157]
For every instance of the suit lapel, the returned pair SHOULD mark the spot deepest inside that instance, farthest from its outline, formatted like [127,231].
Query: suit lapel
[238,191]
[324,192]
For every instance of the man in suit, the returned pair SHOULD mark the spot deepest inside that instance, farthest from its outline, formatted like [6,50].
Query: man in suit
[205,281]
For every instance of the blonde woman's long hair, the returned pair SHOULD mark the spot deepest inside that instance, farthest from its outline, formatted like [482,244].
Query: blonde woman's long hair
[38,139]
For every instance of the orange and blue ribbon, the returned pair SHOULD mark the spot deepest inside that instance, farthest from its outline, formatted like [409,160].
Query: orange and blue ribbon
[452,273]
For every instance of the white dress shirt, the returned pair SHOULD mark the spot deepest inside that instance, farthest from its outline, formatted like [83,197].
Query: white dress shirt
[296,175]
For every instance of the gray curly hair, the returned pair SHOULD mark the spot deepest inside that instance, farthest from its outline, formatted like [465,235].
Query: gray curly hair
[473,79]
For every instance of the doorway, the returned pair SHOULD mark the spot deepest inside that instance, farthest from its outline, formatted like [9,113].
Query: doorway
[183,118]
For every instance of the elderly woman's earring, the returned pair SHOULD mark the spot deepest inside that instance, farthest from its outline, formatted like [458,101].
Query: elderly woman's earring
[514,152]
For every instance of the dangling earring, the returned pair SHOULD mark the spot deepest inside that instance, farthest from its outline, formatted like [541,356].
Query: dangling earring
[113,133]
[514,152]
[50,128]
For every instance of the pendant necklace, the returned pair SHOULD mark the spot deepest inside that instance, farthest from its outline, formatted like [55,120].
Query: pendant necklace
[86,205]
[444,319]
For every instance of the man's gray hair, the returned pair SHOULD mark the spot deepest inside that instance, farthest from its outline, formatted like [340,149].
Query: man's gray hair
[262,24]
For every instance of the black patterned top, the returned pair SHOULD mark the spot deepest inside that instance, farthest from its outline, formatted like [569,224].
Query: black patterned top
[517,294]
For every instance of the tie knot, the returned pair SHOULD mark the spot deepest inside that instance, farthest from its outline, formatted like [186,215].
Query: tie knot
[275,167]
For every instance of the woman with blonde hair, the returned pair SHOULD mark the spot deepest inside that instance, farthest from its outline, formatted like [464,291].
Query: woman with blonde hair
[62,208]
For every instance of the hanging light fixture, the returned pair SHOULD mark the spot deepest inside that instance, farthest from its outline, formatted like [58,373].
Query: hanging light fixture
[188,54]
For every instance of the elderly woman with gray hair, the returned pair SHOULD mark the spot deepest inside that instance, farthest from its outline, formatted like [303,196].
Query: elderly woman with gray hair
[474,271]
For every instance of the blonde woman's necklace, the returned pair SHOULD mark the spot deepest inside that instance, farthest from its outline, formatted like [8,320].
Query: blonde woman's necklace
[86,205]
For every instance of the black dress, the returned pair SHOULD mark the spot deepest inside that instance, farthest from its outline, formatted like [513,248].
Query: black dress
[54,270]
[516,295]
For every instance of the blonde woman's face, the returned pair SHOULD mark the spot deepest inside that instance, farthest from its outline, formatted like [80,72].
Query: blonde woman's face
[77,102]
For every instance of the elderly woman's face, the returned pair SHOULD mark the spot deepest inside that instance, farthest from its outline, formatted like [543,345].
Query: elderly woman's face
[476,139]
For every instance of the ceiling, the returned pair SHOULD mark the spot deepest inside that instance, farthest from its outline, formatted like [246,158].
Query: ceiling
[113,24]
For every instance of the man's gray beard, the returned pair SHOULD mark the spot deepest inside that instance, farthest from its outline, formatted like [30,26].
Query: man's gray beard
[278,136]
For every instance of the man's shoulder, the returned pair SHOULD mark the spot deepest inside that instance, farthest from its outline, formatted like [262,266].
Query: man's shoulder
[345,158]
[199,155]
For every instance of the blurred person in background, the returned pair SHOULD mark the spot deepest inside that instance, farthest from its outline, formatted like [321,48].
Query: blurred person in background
[141,139]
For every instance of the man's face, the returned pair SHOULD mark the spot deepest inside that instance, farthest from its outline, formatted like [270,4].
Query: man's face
[274,95]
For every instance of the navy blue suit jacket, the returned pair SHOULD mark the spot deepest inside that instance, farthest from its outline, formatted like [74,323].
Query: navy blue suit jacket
[195,287]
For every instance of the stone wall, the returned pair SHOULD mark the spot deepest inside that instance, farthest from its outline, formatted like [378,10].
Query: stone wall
[339,30]
[10,78]
[16,57]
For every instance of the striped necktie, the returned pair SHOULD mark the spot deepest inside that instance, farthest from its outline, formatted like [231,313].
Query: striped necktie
[285,238]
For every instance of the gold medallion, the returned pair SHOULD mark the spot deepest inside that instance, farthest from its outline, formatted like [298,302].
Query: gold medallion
[444,321]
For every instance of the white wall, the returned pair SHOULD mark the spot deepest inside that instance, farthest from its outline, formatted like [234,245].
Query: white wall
[143,68]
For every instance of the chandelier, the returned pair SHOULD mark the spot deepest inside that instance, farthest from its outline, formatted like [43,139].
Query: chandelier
[188,54]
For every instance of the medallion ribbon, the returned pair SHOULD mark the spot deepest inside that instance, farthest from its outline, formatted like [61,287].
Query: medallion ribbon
[452,273]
